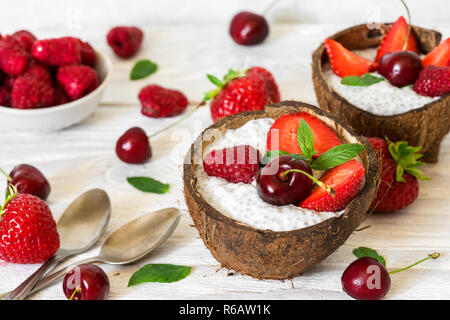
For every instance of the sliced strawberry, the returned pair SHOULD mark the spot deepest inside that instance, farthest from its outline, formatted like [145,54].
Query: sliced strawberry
[346,180]
[346,63]
[283,134]
[395,39]
[440,56]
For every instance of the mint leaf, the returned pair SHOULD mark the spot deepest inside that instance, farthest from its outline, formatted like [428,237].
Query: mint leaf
[336,156]
[362,252]
[270,155]
[165,273]
[148,184]
[362,81]
[142,69]
[305,139]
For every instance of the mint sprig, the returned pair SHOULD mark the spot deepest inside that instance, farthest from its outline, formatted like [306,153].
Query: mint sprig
[220,84]
[305,139]
[361,81]
[147,184]
[165,273]
[142,69]
[406,158]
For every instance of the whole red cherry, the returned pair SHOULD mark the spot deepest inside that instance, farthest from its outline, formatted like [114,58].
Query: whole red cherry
[277,188]
[247,28]
[133,146]
[400,68]
[28,179]
[86,282]
[366,279]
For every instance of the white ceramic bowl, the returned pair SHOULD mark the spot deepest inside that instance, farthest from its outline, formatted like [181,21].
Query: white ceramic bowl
[62,116]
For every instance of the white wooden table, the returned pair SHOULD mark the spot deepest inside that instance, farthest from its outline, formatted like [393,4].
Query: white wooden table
[83,157]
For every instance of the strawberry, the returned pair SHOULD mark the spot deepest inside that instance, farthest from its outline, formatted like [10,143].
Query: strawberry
[235,164]
[399,186]
[242,91]
[26,38]
[395,38]
[30,93]
[440,56]
[346,181]
[125,41]
[77,80]
[433,81]
[88,56]
[158,102]
[27,229]
[13,57]
[57,52]
[346,63]
[283,134]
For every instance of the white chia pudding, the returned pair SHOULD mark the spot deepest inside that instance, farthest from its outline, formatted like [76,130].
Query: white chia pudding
[381,98]
[240,201]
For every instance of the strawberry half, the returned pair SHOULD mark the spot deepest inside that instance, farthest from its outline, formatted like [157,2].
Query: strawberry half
[283,134]
[440,56]
[395,39]
[346,63]
[346,180]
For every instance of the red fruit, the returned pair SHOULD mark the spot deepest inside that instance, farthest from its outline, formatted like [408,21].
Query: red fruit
[283,134]
[31,93]
[5,96]
[60,96]
[28,179]
[433,81]
[235,164]
[395,39]
[77,80]
[400,68]
[400,195]
[346,63]
[366,279]
[89,281]
[13,57]
[125,41]
[27,231]
[38,71]
[26,38]
[440,56]
[88,55]
[241,91]
[248,28]
[57,52]
[133,146]
[346,180]
[159,102]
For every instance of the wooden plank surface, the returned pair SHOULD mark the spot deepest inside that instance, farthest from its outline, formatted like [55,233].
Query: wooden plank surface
[82,157]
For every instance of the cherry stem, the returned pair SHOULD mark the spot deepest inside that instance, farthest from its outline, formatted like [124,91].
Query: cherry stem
[433,255]
[409,24]
[178,121]
[269,7]
[77,290]
[327,188]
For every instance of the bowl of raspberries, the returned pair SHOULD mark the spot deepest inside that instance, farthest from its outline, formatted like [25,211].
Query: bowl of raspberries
[48,84]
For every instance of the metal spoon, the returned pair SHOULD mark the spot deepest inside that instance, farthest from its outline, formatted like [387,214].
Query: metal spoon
[128,244]
[79,228]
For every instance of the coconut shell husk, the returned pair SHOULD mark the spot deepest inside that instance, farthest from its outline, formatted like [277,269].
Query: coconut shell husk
[424,127]
[266,254]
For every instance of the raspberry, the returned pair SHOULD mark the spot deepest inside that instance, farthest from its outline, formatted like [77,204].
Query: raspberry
[158,102]
[30,93]
[77,80]
[26,38]
[57,52]
[88,55]
[60,97]
[235,164]
[5,96]
[433,81]
[13,57]
[38,71]
[125,41]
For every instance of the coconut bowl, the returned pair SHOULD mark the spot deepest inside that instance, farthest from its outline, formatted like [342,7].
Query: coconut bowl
[425,126]
[266,254]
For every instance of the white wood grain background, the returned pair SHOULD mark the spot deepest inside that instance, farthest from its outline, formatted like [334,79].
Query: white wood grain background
[189,39]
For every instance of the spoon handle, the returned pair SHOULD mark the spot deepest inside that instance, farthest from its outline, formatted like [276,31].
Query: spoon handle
[25,287]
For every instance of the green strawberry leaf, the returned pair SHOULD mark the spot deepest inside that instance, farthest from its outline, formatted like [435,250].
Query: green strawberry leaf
[305,139]
[406,158]
[336,156]
[164,273]
[142,69]
[362,81]
[362,252]
[231,75]
[147,184]
[214,80]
